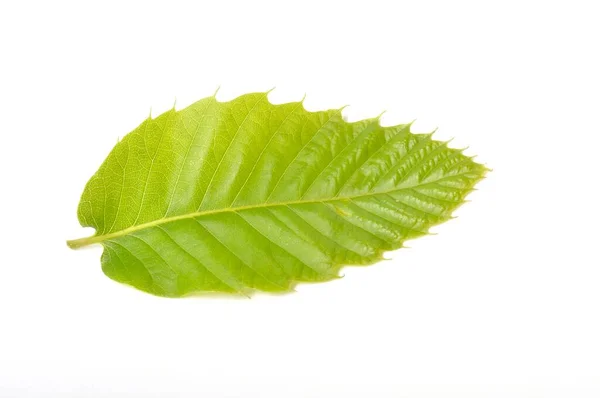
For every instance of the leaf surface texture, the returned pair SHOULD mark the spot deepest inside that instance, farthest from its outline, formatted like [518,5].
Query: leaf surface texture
[246,195]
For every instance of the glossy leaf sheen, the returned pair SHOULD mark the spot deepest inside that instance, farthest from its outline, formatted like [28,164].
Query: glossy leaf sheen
[246,195]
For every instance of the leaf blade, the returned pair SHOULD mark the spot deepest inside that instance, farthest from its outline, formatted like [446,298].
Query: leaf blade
[245,195]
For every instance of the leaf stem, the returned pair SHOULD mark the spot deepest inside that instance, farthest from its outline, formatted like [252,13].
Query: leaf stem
[82,242]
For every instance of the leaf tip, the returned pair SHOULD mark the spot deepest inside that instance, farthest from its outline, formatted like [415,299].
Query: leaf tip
[445,143]
[429,135]
[378,117]
[340,111]
[216,91]
[409,125]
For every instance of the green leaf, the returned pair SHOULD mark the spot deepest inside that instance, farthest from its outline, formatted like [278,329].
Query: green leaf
[246,195]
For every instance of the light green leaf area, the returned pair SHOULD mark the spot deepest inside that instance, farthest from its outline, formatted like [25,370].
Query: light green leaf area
[245,195]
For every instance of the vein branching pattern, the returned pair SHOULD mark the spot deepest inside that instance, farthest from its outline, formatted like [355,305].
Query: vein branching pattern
[246,195]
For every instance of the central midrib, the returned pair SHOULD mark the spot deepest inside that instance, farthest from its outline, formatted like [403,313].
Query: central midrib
[77,243]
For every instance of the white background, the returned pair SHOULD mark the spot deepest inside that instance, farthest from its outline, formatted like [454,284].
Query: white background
[503,301]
